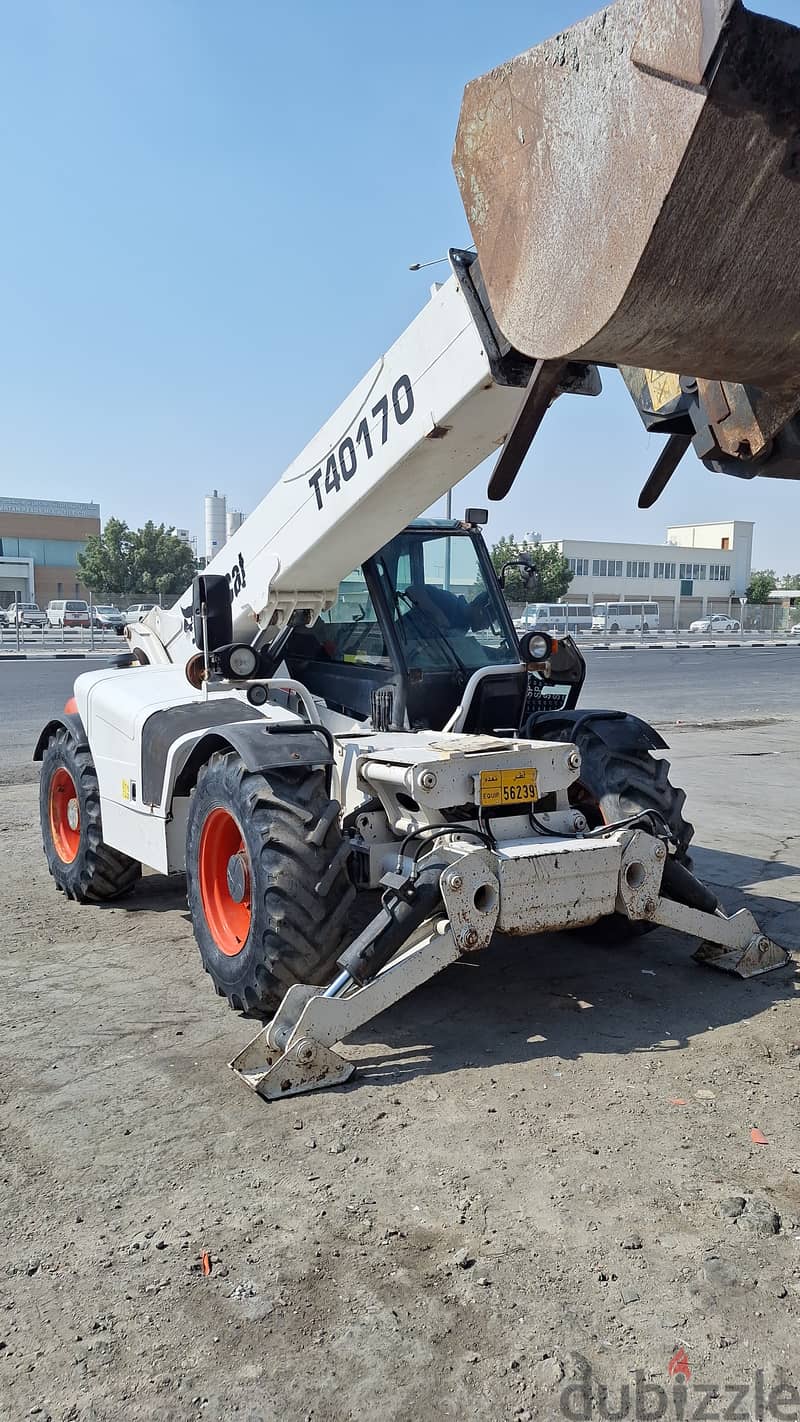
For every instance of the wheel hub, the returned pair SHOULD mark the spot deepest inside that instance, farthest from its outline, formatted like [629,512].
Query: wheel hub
[238,876]
[224,875]
[64,814]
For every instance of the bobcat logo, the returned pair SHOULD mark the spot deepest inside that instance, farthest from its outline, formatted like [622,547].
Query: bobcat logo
[236,577]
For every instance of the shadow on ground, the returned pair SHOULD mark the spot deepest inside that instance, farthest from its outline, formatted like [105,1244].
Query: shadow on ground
[569,995]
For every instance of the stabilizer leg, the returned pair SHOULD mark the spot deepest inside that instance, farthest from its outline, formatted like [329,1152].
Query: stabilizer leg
[293,1052]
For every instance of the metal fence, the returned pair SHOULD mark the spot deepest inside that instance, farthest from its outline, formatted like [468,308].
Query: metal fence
[753,621]
[16,634]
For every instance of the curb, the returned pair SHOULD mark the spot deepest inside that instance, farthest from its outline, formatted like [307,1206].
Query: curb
[48,656]
[679,646]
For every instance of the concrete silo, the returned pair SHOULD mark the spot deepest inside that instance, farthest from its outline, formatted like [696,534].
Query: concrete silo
[216,536]
[233,520]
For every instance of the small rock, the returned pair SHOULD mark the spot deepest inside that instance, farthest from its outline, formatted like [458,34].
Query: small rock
[547,1374]
[732,1207]
[464,1258]
[781,1291]
[245,1290]
[483,1281]
[629,1295]
[759,1217]
[298,1124]
[338,1148]
[633,1241]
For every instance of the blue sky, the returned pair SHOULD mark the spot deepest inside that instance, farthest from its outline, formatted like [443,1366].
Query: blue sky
[209,214]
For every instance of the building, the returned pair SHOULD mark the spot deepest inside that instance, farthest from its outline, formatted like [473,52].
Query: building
[702,567]
[39,545]
[187,537]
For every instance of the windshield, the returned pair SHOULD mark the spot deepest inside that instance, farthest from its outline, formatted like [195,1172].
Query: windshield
[445,614]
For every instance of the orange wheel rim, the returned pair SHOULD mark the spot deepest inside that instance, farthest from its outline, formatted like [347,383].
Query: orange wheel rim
[65,815]
[224,874]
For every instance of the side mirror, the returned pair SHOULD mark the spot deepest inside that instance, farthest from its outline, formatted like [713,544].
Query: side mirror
[527,567]
[212,618]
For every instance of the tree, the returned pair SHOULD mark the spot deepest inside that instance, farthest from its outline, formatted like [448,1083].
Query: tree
[106,562]
[790,581]
[162,562]
[120,561]
[551,574]
[761,585]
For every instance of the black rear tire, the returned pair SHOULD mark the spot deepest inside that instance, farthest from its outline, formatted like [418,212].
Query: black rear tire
[81,863]
[283,828]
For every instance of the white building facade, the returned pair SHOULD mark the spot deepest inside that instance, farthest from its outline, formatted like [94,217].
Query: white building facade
[701,568]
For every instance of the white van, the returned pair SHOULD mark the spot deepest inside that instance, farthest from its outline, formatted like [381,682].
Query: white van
[625,617]
[555,617]
[68,612]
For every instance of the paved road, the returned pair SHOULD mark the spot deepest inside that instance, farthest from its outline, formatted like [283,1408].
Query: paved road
[662,687]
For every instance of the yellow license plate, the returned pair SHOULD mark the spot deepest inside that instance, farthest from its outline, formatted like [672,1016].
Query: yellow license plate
[507,787]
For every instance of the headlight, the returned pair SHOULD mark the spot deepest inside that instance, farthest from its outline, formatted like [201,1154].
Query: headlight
[535,646]
[242,662]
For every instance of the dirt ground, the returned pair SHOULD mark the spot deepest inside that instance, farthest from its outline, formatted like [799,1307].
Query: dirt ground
[543,1173]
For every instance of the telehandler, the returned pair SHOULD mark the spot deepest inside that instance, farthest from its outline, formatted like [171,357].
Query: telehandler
[293,734]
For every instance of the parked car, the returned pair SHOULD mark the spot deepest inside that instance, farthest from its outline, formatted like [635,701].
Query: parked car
[68,612]
[718,623]
[27,614]
[108,618]
[138,611]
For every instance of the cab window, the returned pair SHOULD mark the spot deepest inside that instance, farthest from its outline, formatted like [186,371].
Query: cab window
[347,633]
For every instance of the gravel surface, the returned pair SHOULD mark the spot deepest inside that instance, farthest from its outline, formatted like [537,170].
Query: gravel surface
[546,1158]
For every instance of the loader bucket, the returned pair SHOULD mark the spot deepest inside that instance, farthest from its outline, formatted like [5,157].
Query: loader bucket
[633,190]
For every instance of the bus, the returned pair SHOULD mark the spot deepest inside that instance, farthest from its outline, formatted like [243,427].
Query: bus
[555,617]
[625,617]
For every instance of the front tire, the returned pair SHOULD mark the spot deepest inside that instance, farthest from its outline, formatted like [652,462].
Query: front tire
[81,863]
[267,881]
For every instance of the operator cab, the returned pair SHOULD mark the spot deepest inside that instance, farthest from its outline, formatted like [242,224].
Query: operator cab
[408,630]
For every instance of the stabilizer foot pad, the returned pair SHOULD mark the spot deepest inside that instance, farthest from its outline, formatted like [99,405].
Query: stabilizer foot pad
[760,955]
[306,1066]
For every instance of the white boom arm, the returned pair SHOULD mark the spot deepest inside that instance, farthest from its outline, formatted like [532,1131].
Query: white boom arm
[422,417]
